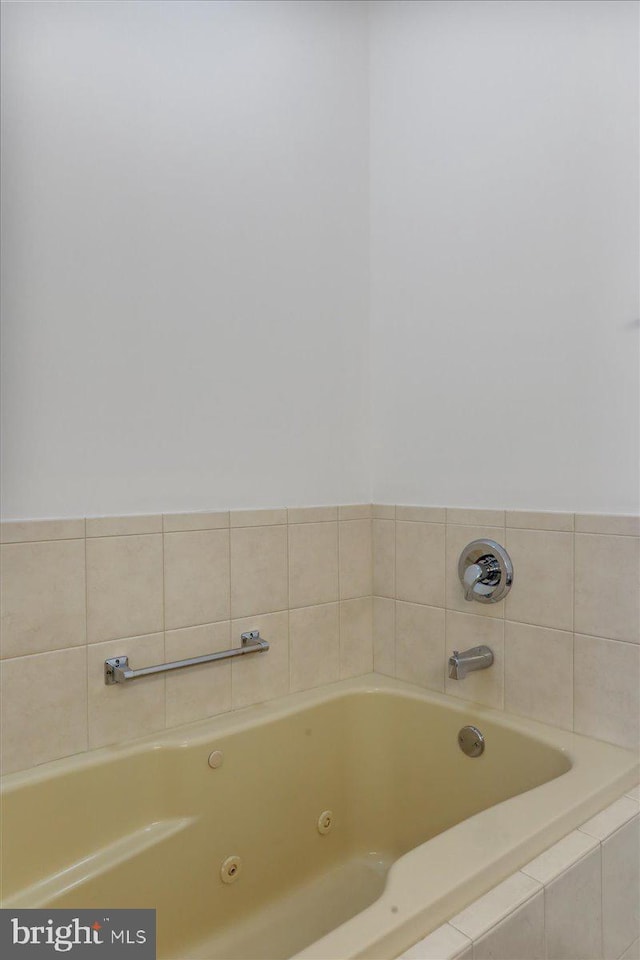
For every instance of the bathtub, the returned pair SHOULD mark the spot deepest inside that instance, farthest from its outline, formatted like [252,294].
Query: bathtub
[342,822]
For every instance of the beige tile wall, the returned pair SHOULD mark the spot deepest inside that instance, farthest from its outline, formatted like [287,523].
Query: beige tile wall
[577,901]
[156,588]
[566,639]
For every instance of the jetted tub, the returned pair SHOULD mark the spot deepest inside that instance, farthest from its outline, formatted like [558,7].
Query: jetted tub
[358,822]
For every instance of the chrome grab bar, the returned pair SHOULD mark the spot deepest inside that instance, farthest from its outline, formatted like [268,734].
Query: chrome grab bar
[117,670]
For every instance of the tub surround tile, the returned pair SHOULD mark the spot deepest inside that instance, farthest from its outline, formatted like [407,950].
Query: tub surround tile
[608,523]
[573,911]
[355,558]
[43,703]
[124,711]
[420,647]
[384,558]
[611,818]
[123,526]
[606,693]
[42,596]
[258,570]
[483,686]
[355,511]
[496,905]
[124,587]
[607,595]
[261,676]
[621,889]
[560,857]
[383,511]
[420,552]
[315,646]
[180,522]
[422,514]
[542,591]
[384,656]
[520,936]
[356,646]
[538,673]
[473,517]
[258,518]
[458,535]
[24,531]
[200,691]
[311,514]
[538,520]
[313,563]
[196,578]
[445,943]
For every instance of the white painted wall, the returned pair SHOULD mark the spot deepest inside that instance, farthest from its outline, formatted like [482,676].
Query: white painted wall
[186,261]
[504,239]
[185,256]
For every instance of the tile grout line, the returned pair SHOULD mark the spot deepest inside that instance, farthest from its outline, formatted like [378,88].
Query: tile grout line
[573,625]
[230,615]
[164,630]
[339,601]
[86,628]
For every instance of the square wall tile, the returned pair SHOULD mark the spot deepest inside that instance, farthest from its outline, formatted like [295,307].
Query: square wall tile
[258,570]
[196,578]
[420,562]
[356,637]
[607,586]
[621,889]
[201,691]
[542,591]
[178,522]
[315,646]
[43,701]
[261,676]
[384,632]
[483,686]
[606,692]
[573,912]
[313,563]
[21,531]
[384,558]
[458,537]
[124,587]
[311,514]
[123,711]
[355,559]
[608,523]
[472,516]
[537,520]
[258,518]
[355,511]
[420,645]
[538,673]
[423,514]
[123,526]
[42,596]
[519,937]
